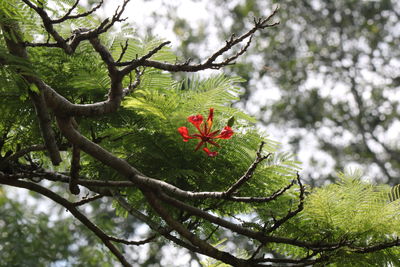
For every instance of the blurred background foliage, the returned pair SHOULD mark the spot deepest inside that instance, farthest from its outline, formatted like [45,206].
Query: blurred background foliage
[324,82]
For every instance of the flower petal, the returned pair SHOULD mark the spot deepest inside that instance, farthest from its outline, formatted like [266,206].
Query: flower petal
[213,134]
[196,120]
[226,133]
[210,153]
[209,121]
[199,145]
[211,115]
[185,133]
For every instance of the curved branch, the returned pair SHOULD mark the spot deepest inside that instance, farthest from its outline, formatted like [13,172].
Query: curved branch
[68,15]
[203,246]
[257,235]
[377,247]
[210,63]
[153,225]
[291,214]
[16,48]
[71,208]
[249,172]
[21,153]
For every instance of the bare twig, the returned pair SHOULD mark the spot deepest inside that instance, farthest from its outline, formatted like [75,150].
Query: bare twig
[131,242]
[153,225]
[291,214]
[274,196]
[77,37]
[88,200]
[210,62]
[133,85]
[137,62]
[249,172]
[68,15]
[124,48]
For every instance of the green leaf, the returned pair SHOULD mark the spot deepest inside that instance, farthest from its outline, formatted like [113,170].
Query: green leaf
[33,87]
[231,121]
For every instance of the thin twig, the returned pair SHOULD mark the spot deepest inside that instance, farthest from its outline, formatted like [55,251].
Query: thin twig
[210,62]
[131,242]
[249,172]
[87,200]
[291,214]
[67,15]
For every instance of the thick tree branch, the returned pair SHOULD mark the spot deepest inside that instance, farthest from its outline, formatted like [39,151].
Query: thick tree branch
[153,225]
[134,175]
[16,48]
[74,172]
[377,247]
[75,166]
[203,246]
[45,127]
[257,235]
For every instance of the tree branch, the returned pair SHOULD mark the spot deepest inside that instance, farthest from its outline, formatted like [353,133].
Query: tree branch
[75,166]
[68,15]
[87,200]
[203,246]
[17,49]
[210,63]
[71,208]
[153,225]
[249,172]
[20,153]
[74,172]
[291,214]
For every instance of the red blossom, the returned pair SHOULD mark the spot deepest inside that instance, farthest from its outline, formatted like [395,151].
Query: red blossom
[210,153]
[226,133]
[205,135]
[185,133]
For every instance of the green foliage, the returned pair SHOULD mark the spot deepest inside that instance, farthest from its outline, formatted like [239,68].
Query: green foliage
[155,147]
[29,238]
[394,193]
[348,210]
[144,133]
[313,65]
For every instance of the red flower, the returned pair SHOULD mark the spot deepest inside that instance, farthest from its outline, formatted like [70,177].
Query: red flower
[205,135]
